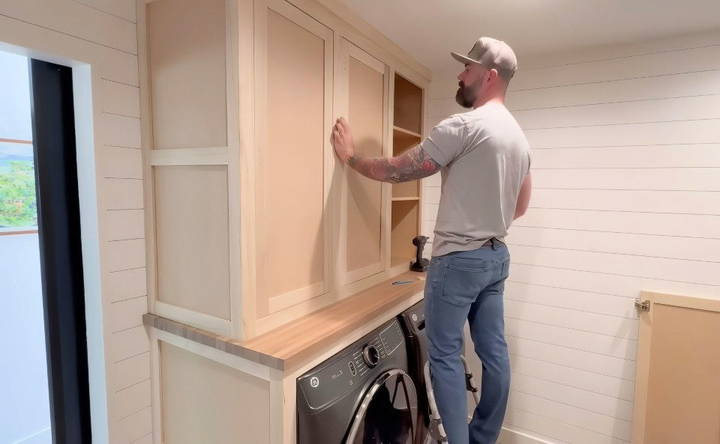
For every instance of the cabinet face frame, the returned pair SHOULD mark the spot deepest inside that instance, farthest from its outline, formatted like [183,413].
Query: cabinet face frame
[276,303]
[345,50]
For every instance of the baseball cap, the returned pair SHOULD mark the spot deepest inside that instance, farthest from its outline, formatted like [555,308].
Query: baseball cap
[491,53]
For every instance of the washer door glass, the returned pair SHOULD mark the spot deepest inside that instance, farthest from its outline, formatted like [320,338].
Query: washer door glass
[387,413]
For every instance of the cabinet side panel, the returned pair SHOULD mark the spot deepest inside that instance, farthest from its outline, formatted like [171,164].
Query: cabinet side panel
[191,212]
[204,401]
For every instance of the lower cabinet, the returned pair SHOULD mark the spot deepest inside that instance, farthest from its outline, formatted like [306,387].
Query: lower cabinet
[206,401]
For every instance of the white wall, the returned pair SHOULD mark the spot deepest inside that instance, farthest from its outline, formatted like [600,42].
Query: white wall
[626,165]
[98,39]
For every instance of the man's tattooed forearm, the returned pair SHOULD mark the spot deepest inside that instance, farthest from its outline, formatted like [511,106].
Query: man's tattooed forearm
[412,165]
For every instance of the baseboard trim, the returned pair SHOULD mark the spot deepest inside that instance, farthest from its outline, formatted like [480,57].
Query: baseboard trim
[510,436]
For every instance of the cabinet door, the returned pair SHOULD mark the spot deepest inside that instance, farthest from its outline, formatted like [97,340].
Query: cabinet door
[293,115]
[678,361]
[361,84]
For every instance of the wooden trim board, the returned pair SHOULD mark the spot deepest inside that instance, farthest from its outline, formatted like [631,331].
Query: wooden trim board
[189,156]
[194,318]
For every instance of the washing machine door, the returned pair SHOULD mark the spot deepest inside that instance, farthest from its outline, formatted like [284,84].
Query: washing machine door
[387,413]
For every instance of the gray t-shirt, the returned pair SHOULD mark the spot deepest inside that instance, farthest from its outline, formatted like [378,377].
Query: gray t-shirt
[485,158]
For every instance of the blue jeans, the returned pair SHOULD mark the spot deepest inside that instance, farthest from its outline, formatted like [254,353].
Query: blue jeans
[468,285]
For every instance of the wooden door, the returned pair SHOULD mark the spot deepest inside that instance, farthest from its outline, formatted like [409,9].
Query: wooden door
[677,395]
[293,115]
[361,85]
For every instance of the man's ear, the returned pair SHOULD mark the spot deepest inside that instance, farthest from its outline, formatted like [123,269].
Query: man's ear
[492,74]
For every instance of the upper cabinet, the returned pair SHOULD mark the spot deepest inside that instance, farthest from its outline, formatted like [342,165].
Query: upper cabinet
[252,221]
[293,168]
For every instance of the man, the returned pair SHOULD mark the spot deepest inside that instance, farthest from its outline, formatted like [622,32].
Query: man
[486,183]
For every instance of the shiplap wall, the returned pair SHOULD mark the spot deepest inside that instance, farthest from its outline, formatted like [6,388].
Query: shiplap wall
[626,169]
[101,35]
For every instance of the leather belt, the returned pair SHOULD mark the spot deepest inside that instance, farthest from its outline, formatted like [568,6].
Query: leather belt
[492,242]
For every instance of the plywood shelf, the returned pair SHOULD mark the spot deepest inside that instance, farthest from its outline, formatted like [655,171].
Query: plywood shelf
[405,199]
[398,130]
[404,140]
[406,190]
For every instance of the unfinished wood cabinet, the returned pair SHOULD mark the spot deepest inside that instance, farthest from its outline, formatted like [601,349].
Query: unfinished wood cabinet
[677,390]
[252,222]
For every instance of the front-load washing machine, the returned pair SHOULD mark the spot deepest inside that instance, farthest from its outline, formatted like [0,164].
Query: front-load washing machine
[362,395]
[413,324]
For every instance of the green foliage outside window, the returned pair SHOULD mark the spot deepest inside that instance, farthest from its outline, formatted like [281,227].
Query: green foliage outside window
[18,205]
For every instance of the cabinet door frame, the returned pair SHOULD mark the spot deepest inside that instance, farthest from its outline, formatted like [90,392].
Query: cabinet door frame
[277,303]
[344,51]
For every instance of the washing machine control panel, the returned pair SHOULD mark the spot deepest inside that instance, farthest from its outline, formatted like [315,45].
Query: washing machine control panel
[352,367]
[371,355]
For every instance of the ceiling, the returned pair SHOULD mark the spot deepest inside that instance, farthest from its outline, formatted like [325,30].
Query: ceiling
[429,29]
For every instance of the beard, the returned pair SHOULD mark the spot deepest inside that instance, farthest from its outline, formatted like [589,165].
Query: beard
[465,96]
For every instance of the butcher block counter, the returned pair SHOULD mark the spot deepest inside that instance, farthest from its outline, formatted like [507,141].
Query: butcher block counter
[252,383]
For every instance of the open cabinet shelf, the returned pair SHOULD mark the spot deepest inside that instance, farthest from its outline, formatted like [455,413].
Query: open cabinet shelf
[406,134]
[398,130]
[405,215]
[405,190]
[408,105]
[404,140]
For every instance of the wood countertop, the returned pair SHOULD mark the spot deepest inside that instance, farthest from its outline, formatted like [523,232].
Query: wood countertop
[289,345]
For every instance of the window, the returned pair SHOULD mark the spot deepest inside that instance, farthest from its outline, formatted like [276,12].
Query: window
[18,204]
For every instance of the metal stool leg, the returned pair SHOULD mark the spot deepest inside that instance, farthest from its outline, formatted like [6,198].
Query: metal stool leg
[437,431]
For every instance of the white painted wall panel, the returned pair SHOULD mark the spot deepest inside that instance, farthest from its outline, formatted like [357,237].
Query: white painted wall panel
[102,34]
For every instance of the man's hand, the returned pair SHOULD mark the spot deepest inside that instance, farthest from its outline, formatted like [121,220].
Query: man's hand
[342,140]
[413,164]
